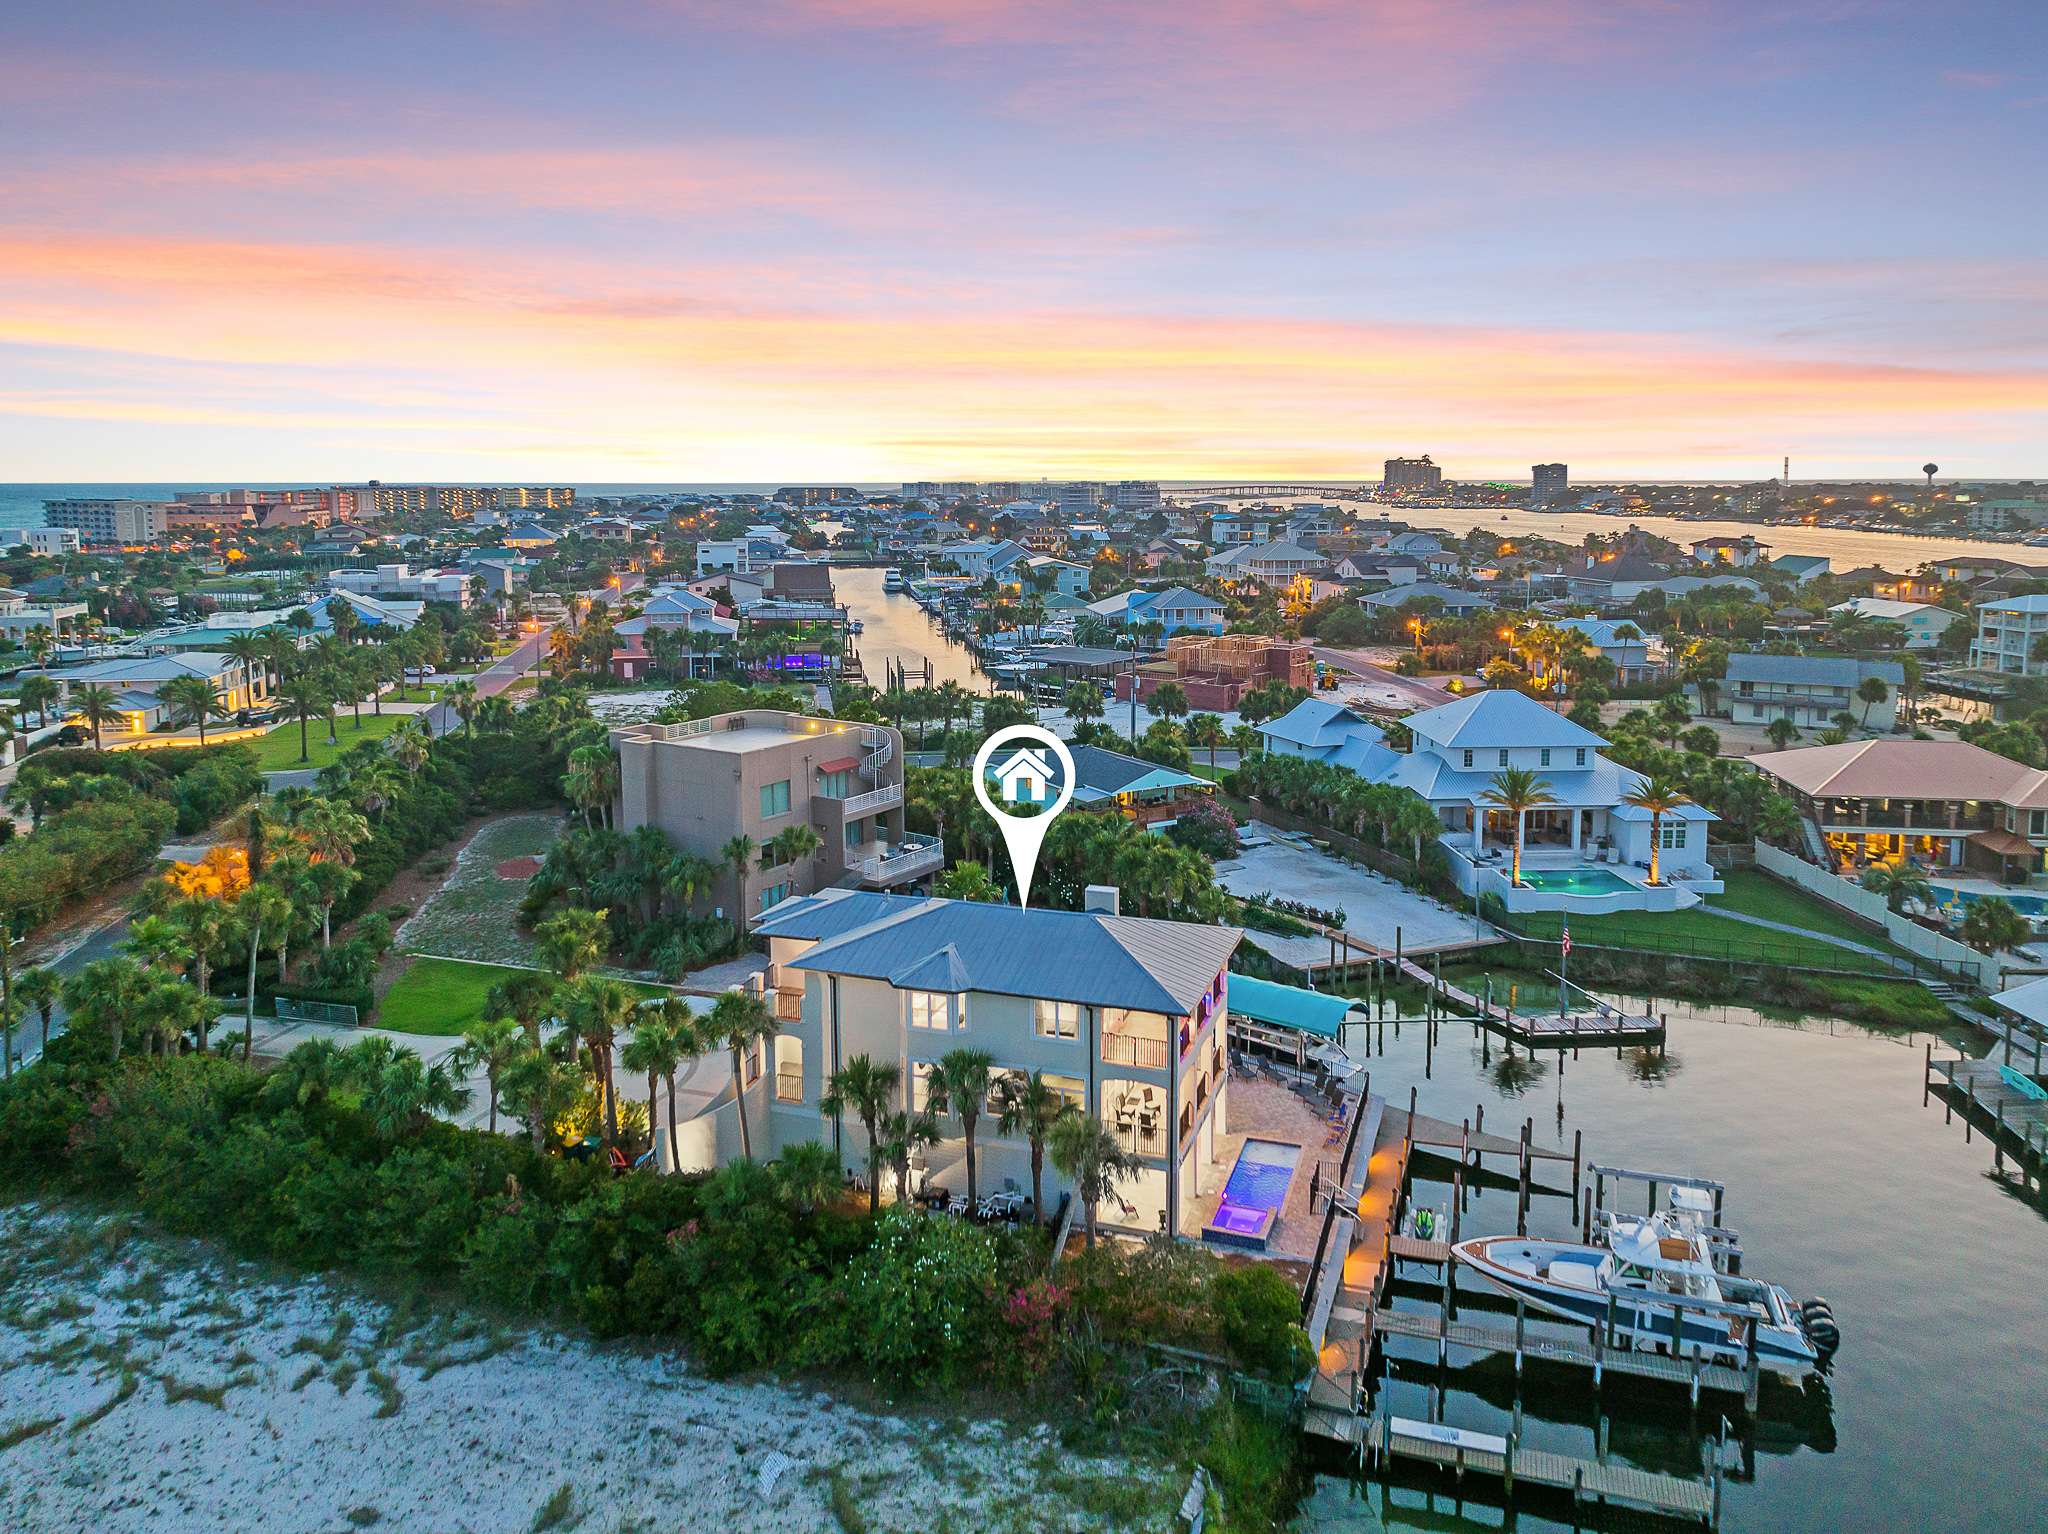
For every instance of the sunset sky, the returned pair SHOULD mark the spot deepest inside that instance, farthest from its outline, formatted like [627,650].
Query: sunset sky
[881,239]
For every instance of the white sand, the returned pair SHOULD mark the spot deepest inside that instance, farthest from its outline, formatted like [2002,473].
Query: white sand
[447,1422]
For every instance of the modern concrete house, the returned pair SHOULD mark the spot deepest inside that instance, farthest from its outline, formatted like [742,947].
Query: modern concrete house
[1124,1016]
[759,772]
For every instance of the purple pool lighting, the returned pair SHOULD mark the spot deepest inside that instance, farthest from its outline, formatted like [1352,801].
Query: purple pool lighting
[1254,1194]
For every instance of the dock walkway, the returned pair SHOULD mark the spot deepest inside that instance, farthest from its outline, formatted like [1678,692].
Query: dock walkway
[1594,1027]
[1996,1092]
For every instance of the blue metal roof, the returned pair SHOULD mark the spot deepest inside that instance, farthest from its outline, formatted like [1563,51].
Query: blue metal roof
[1499,716]
[1085,957]
[1099,773]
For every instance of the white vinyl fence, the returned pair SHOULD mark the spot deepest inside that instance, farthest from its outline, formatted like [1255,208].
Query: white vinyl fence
[1858,901]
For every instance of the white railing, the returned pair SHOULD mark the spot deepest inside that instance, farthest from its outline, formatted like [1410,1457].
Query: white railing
[1857,900]
[906,859]
[886,797]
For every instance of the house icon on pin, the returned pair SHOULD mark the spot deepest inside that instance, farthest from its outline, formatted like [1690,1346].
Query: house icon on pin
[1025,776]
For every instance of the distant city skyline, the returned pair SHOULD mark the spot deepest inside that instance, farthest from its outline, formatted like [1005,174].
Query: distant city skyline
[865,241]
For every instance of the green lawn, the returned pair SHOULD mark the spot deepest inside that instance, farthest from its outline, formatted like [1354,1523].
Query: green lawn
[279,750]
[444,996]
[1755,893]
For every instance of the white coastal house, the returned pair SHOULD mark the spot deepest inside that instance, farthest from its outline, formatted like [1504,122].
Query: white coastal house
[1588,851]
[1123,1016]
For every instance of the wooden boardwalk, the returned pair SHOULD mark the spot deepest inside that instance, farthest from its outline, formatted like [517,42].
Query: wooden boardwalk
[1595,1027]
[1583,1352]
[1390,1440]
[2018,1117]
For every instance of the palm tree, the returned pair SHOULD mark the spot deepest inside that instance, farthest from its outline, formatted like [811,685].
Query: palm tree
[525,998]
[1516,791]
[103,994]
[260,906]
[570,943]
[490,1044]
[542,1088]
[1169,700]
[595,1009]
[1898,883]
[592,781]
[404,1094]
[192,700]
[809,1175]
[1207,730]
[1092,1157]
[738,854]
[1082,700]
[1660,796]
[1782,732]
[41,642]
[1870,692]
[959,1084]
[461,696]
[306,696]
[792,844]
[96,705]
[864,1088]
[252,653]
[1991,925]
[38,693]
[204,922]
[35,990]
[659,1045]
[903,1134]
[741,1020]
[1412,820]
[409,747]
[331,831]
[1030,1107]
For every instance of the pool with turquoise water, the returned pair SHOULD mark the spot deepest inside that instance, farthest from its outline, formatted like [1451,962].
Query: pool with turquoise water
[1576,881]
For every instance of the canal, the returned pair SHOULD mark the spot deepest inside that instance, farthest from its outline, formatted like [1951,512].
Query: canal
[1841,1184]
[895,628]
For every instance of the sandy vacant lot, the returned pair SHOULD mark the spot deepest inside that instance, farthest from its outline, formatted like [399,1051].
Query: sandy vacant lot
[149,1384]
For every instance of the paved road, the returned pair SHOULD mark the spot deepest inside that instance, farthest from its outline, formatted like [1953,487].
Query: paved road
[1377,685]
[102,942]
[492,680]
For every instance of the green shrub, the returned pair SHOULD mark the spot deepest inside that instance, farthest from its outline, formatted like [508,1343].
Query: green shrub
[1259,1316]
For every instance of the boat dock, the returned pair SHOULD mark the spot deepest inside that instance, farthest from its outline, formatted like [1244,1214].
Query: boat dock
[1346,1311]
[1390,1440]
[2007,1100]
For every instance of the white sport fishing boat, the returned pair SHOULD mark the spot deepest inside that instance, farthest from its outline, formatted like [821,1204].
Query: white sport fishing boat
[1666,1253]
[893,580]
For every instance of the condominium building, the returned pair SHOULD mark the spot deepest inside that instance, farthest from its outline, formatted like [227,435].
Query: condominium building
[1124,1016]
[1548,482]
[399,580]
[1412,476]
[757,773]
[2010,636]
[110,520]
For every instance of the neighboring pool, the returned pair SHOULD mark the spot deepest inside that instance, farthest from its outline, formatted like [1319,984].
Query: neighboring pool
[2033,907]
[1254,1193]
[1576,881]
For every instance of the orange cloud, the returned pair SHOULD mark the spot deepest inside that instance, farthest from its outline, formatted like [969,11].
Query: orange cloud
[460,360]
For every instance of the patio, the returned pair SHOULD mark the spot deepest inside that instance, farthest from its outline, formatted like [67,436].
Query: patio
[1261,1108]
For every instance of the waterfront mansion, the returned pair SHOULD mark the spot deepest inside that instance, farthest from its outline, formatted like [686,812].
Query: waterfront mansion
[1587,851]
[1123,1015]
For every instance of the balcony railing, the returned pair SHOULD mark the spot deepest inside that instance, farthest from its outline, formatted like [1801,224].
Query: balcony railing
[789,1006]
[909,858]
[1134,1049]
[789,1085]
[887,797]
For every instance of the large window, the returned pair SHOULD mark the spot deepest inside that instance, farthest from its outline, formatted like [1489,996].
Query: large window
[789,1068]
[928,1009]
[773,896]
[1072,1088]
[833,785]
[774,799]
[1057,1019]
[1671,836]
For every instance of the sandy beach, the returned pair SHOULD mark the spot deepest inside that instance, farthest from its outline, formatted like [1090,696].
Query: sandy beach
[155,1384]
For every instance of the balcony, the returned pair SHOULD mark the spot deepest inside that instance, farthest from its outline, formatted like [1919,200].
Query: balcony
[882,864]
[887,797]
[1134,1049]
[789,1006]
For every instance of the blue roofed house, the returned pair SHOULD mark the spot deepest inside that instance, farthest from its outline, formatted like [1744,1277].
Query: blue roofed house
[1587,852]
[1123,1016]
[1453,599]
[1176,610]
[1617,641]
[1809,690]
[1324,731]
[1152,795]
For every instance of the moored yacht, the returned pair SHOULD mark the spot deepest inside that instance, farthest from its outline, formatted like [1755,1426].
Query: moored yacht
[893,580]
[1666,1254]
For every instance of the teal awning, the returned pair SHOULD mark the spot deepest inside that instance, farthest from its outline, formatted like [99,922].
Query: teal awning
[1289,1006]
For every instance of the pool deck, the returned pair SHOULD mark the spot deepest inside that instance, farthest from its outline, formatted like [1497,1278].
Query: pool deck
[1261,1109]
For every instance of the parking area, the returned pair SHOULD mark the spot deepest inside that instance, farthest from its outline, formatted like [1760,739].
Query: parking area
[1283,864]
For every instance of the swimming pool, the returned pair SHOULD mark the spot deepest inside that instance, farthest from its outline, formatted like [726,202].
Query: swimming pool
[1576,881]
[1254,1193]
[2033,907]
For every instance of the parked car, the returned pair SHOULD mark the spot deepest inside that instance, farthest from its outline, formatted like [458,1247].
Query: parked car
[73,735]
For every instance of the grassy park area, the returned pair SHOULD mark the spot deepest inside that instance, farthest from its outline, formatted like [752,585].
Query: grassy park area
[444,996]
[279,750]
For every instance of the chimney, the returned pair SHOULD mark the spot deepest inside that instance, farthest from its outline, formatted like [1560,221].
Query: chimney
[1103,900]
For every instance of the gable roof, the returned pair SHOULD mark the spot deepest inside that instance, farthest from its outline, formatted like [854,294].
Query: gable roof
[1320,722]
[1499,716]
[1119,961]
[1176,596]
[1904,769]
[1450,596]
[1100,773]
[1813,670]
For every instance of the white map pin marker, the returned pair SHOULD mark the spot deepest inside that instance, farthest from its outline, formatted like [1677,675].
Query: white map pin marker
[1021,759]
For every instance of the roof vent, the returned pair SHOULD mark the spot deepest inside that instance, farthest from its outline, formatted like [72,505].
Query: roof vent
[1103,900]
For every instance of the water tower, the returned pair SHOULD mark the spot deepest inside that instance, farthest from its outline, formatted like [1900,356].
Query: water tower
[1930,470]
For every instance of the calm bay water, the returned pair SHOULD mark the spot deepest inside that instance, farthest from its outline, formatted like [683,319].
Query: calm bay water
[1841,1184]
[894,627]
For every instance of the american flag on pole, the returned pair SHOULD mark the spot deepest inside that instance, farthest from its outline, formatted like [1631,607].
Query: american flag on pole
[1566,943]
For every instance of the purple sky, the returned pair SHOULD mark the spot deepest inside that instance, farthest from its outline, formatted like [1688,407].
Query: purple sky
[872,239]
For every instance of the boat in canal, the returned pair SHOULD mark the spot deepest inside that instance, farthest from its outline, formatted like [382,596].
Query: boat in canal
[893,580]
[1647,1272]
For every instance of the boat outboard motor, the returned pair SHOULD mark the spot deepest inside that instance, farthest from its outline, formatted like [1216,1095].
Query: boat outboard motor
[1817,1320]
